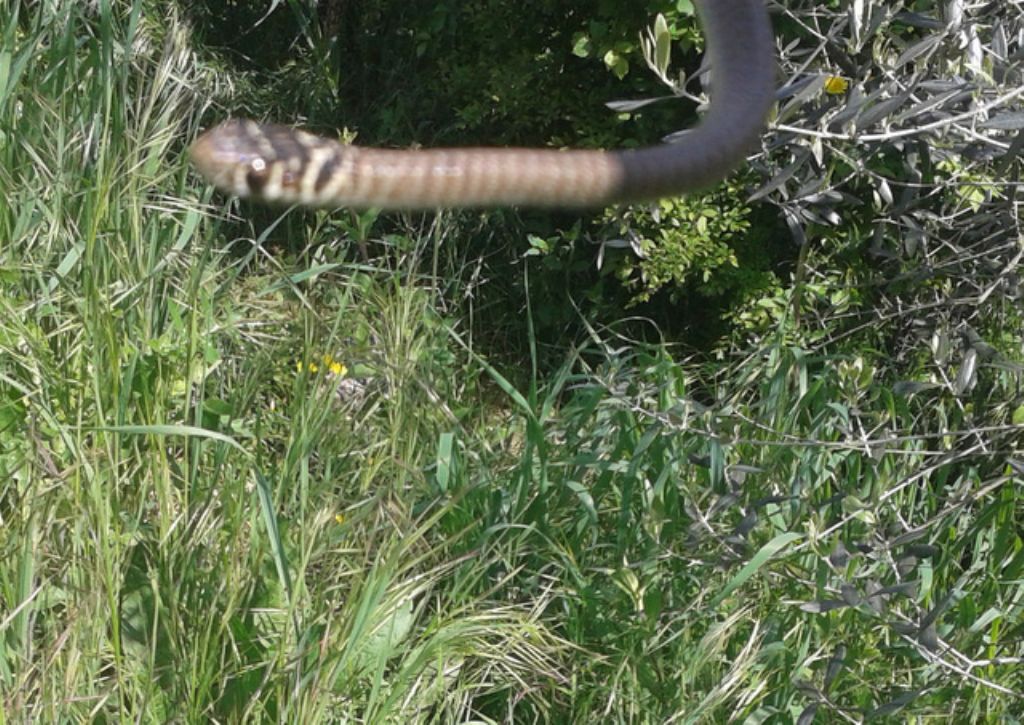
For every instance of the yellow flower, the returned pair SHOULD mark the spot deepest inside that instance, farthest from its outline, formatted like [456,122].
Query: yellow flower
[339,518]
[835,86]
[330,364]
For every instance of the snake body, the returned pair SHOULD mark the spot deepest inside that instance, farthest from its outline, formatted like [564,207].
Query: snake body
[281,164]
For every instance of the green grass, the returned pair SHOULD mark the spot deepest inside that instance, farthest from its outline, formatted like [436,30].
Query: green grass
[201,520]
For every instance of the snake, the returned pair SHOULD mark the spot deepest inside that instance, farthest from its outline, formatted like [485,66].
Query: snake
[284,165]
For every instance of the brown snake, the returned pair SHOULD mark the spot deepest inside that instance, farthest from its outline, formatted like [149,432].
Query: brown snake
[281,164]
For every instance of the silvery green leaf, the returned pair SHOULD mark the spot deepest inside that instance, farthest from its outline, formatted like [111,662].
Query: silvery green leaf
[807,714]
[626,106]
[929,637]
[840,555]
[835,665]
[967,376]
[906,388]
[820,606]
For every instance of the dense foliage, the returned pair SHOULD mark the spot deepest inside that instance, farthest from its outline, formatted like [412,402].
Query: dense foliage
[267,465]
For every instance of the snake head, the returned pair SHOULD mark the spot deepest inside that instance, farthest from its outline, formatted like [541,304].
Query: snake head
[263,162]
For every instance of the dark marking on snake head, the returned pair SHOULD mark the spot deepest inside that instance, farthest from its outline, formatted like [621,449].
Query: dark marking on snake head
[327,172]
[286,145]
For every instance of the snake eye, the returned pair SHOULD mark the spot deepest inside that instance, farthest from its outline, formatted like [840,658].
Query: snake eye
[257,176]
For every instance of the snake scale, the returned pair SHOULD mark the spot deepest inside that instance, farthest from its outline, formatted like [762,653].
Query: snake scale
[284,165]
